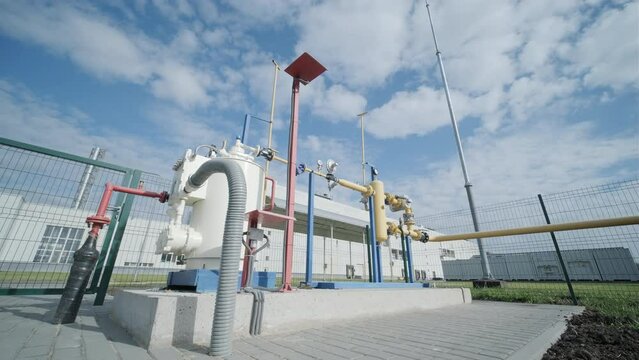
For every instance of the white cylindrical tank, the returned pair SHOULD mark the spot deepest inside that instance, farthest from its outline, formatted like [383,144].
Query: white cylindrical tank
[209,215]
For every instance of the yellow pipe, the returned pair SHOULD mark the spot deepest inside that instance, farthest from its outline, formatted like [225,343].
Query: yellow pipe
[379,211]
[622,221]
[396,230]
[364,190]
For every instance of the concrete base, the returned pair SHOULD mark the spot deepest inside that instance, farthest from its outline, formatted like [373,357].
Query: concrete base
[164,318]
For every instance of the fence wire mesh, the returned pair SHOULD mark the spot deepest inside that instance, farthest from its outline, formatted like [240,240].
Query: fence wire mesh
[45,198]
[138,264]
[602,264]
[44,202]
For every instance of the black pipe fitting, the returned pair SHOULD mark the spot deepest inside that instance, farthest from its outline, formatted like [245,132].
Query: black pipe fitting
[84,260]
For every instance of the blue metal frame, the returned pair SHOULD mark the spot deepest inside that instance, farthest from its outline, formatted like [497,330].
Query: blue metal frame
[310,229]
[372,240]
[409,256]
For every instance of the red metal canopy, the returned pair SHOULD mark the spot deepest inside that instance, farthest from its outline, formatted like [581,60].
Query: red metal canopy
[305,68]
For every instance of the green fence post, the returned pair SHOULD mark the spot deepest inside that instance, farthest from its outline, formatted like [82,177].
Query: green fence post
[117,240]
[119,202]
[561,259]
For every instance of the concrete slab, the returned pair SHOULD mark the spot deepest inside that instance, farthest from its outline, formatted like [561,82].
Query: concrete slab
[165,318]
[481,330]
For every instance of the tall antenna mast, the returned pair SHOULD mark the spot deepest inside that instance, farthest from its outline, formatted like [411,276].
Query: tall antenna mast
[485,266]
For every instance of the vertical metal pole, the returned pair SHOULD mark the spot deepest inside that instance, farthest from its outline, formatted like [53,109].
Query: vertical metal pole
[310,230]
[86,181]
[369,251]
[361,121]
[332,251]
[409,256]
[245,129]
[376,245]
[371,240]
[390,255]
[272,116]
[117,240]
[485,266]
[364,250]
[561,259]
[404,255]
[287,272]
[380,273]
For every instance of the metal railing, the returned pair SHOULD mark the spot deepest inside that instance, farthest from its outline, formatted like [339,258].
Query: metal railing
[584,266]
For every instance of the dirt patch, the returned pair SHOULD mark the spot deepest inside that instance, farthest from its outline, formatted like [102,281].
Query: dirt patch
[591,336]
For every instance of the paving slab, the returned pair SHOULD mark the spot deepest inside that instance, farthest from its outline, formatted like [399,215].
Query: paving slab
[481,330]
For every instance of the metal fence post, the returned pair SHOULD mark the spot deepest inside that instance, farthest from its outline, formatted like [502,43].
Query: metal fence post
[369,250]
[117,240]
[404,255]
[561,259]
[310,230]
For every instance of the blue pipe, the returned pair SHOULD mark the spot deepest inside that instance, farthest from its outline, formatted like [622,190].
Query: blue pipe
[409,257]
[309,230]
[245,129]
[372,240]
[380,275]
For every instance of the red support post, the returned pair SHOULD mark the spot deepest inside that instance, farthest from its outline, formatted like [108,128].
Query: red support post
[287,272]
[303,70]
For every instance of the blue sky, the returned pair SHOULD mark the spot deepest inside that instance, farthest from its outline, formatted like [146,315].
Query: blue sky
[546,92]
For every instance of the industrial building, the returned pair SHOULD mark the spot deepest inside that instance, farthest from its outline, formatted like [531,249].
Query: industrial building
[37,236]
[601,264]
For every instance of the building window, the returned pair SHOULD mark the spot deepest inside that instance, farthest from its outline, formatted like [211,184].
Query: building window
[446,253]
[397,254]
[168,257]
[58,244]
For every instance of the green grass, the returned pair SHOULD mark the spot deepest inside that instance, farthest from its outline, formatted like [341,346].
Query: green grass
[615,299]
[44,278]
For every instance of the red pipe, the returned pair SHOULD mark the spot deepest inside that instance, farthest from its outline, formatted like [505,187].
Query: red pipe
[100,219]
[271,206]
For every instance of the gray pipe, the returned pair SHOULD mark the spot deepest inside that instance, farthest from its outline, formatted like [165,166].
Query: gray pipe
[224,313]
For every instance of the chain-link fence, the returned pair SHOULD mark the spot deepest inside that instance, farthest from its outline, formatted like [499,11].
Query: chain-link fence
[45,198]
[601,265]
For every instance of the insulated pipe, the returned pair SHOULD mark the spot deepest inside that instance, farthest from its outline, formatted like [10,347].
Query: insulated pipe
[224,313]
[379,210]
[591,224]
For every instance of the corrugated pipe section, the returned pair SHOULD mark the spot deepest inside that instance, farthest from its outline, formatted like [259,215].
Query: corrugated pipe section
[222,333]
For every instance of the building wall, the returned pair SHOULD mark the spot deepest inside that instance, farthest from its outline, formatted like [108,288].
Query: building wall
[23,225]
[603,264]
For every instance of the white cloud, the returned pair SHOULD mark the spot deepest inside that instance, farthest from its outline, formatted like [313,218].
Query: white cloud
[607,54]
[112,51]
[334,103]
[32,119]
[359,42]
[546,157]
[422,111]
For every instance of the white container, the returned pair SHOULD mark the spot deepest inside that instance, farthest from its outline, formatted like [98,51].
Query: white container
[209,215]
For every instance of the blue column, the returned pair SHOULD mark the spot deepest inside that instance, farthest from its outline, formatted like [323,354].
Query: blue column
[310,230]
[409,256]
[380,275]
[372,241]
[245,129]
